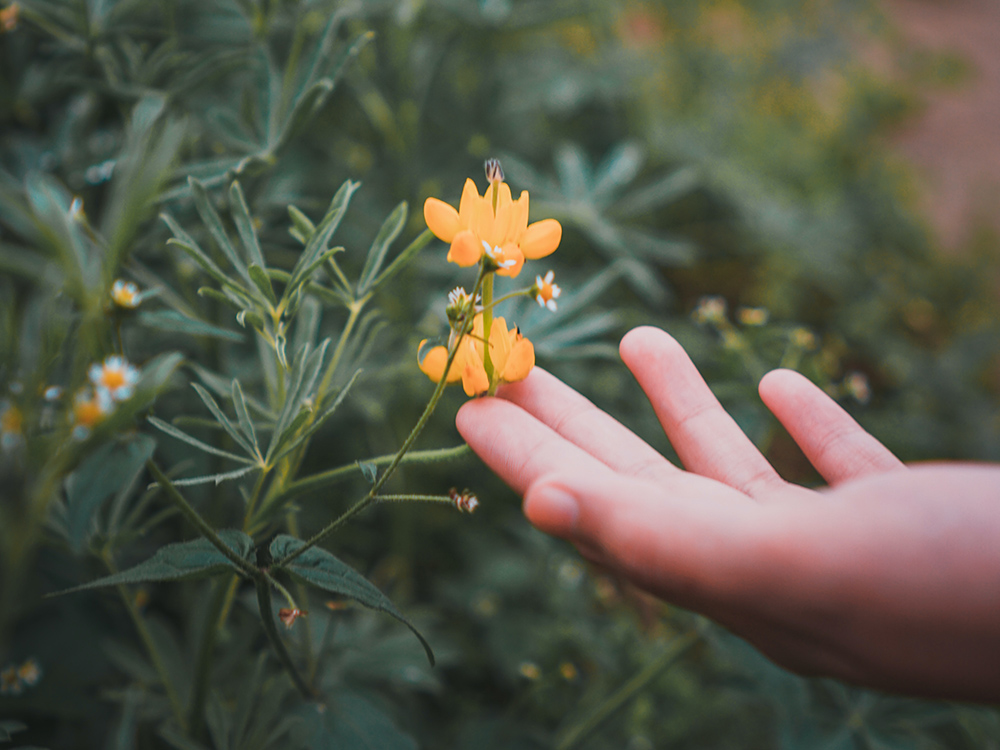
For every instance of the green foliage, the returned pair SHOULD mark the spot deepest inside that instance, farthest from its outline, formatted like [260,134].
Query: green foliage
[251,167]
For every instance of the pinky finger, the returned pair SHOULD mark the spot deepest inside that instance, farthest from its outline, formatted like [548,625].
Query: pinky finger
[834,443]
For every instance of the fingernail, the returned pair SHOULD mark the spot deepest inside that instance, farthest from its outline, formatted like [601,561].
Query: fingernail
[552,509]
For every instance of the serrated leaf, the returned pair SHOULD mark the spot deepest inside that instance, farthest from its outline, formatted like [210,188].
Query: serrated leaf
[109,469]
[261,280]
[319,568]
[181,560]
[244,224]
[387,233]
[175,322]
[190,440]
[246,424]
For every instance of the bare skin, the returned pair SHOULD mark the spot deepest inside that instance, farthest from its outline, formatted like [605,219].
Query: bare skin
[889,577]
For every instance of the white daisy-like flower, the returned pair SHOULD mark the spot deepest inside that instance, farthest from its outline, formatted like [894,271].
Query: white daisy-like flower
[546,293]
[116,376]
[125,294]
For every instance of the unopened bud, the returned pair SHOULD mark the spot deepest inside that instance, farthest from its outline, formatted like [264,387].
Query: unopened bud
[465,501]
[494,172]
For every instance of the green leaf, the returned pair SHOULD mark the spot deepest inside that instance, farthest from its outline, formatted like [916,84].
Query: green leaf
[319,568]
[216,478]
[246,424]
[223,420]
[308,103]
[261,280]
[389,231]
[302,228]
[317,242]
[244,224]
[197,558]
[208,214]
[174,432]
[401,260]
[175,322]
[369,471]
[110,468]
[349,721]
[186,243]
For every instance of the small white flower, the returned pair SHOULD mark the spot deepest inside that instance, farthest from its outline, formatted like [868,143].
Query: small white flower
[116,376]
[546,293]
[495,253]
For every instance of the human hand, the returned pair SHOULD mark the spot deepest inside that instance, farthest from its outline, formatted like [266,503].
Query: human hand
[888,578]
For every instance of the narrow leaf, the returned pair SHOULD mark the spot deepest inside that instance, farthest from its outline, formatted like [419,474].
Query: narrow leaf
[244,224]
[326,228]
[223,420]
[208,214]
[261,280]
[246,424]
[369,471]
[184,241]
[216,478]
[174,432]
[388,232]
[319,568]
[196,558]
[316,424]
[174,322]
[302,228]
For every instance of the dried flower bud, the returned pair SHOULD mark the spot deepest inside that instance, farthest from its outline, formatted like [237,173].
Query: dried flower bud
[289,616]
[465,501]
[494,172]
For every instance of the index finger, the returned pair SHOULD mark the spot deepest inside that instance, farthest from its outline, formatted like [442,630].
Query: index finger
[518,447]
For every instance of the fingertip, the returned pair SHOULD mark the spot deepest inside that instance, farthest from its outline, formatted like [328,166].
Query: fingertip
[471,416]
[552,508]
[782,383]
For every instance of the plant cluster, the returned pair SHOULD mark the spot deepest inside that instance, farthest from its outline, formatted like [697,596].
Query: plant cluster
[214,429]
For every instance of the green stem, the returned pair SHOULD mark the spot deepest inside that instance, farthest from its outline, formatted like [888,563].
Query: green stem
[446,499]
[487,322]
[254,498]
[340,473]
[674,651]
[410,439]
[213,623]
[267,617]
[197,521]
[147,640]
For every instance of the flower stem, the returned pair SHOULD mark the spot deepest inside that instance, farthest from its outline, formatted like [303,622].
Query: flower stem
[267,617]
[487,322]
[407,444]
[213,623]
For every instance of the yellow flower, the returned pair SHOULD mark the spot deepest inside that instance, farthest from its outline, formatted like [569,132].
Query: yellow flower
[512,356]
[505,231]
[29,673]
[89,408]
[468,363]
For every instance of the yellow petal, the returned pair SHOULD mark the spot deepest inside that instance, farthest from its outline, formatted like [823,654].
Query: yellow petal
[441,219]
[511,252]
[541,238]
[432,365]
[499,344]
[466,249]
[469,204]
[519,362]
[474,379]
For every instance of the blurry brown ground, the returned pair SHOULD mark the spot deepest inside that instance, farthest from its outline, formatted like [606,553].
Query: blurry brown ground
[954,139]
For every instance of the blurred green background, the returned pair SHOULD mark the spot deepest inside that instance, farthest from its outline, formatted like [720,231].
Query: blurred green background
[739,149]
